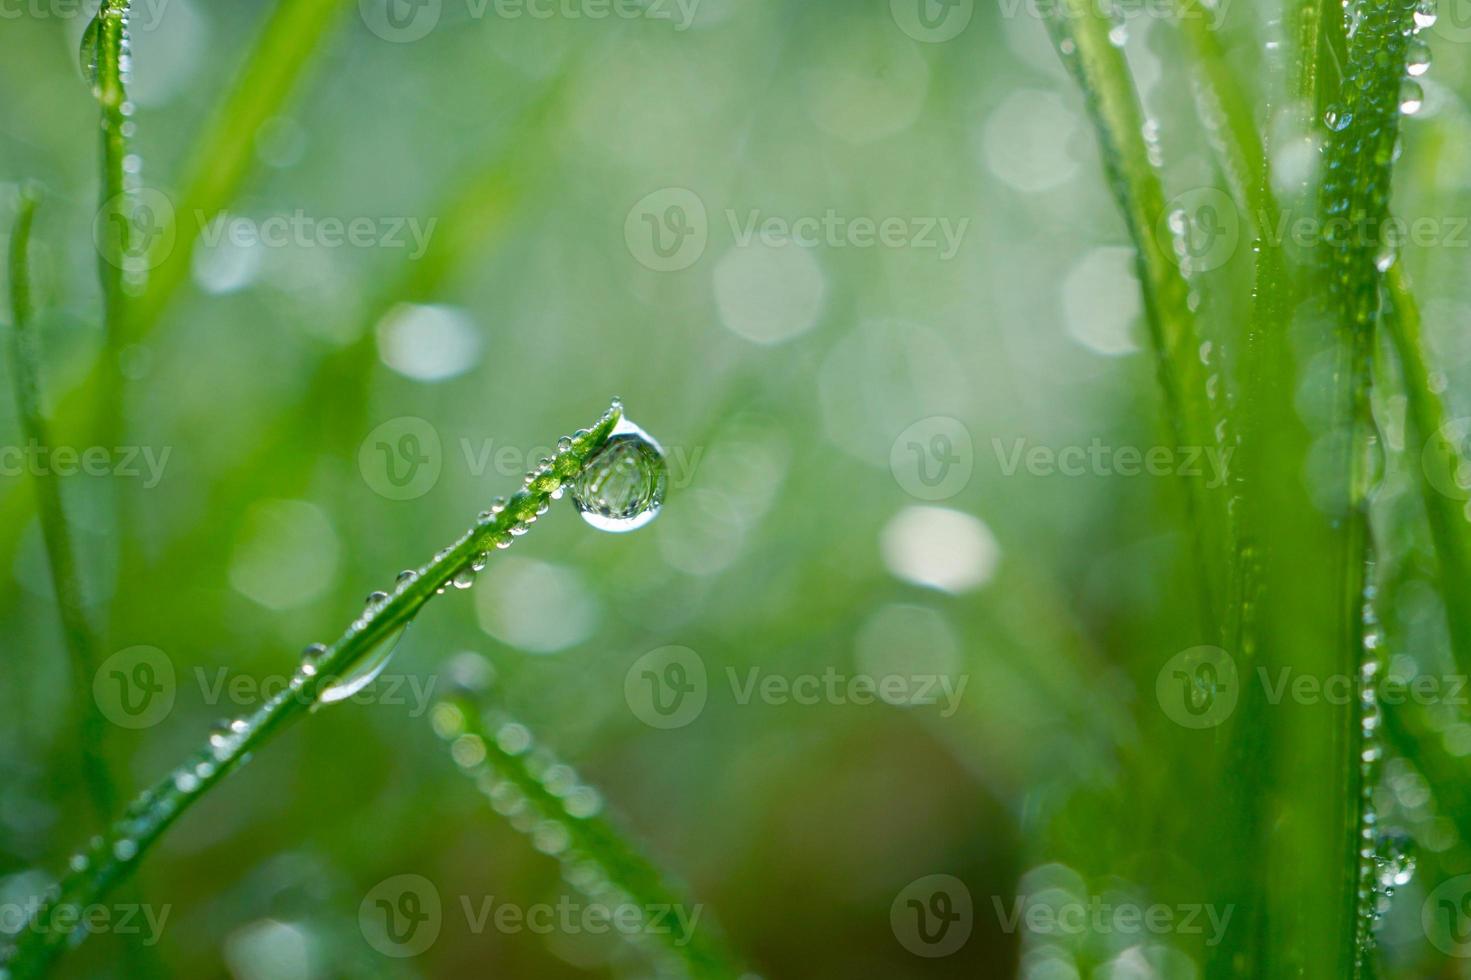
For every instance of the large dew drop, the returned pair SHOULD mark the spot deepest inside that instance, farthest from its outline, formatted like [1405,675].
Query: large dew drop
[622,487]
[365,671]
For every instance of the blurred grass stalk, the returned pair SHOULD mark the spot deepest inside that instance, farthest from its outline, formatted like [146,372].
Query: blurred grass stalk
[545,798]
[79,630]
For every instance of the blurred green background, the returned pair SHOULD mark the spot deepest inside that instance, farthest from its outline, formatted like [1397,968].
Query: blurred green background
[591,193]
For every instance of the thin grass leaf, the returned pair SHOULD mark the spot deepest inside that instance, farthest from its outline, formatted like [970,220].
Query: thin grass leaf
[121,269]
[1430,427]
[546,799]
[113,856]
[78,628]
[1364,124]
[1081,34]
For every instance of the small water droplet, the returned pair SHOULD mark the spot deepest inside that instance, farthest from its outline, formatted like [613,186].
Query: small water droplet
[1417,56]
[89,54]
[365,671]
[1337,118]
[464,578]
[311,658]
[622,487]
[1411,97]
[1394,857]
[125,849]
[1425,14]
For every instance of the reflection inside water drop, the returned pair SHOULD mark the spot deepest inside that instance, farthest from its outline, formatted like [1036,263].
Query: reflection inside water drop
[622,487]
[365,671]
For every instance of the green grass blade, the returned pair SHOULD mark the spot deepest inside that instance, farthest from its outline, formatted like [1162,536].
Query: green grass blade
[1354,195]
[1081,35]
[1450,528]
[121,270]
[114,855]
[79,630]
[543,797]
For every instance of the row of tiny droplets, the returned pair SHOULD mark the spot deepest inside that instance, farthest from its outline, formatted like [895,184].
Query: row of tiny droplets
[493,759]
[1386,859]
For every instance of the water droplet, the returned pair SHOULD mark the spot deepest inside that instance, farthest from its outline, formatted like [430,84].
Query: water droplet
[407,575]
[550,837]
[311,658]
[125,849]
[513,738]
[1337,118]
[1417,56]
[464,578]
[583,802]
[1425,14]
[1394,855]
[89,54]
[1411,97]
[375,599]
[365,671]
[622,487]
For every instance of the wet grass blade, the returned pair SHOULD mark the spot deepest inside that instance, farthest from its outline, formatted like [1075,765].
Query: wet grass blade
[1082,36]
[111,857]
[80,631]
[1431,428]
